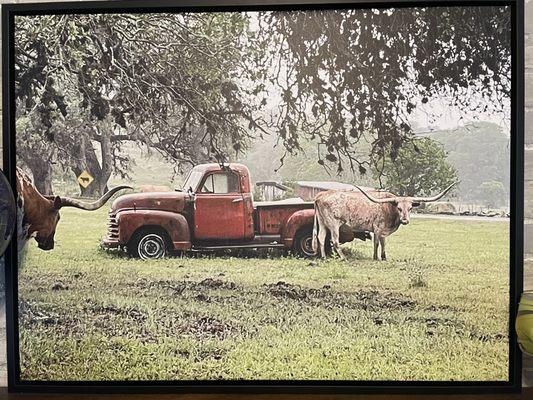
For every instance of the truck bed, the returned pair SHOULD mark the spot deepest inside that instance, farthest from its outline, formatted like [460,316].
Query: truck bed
[291,202]
[271,216]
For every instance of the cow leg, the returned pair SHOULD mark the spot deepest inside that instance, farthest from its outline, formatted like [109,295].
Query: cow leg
[322,233]
[382,244]
[376,244]
[335,241]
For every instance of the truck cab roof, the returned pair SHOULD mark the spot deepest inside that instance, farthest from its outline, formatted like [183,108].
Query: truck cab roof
[200,171]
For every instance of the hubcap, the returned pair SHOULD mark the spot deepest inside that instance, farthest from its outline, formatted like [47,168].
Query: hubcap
[307,245]
[151,246]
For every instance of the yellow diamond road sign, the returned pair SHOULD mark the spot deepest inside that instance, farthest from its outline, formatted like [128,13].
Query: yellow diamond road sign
[85,179]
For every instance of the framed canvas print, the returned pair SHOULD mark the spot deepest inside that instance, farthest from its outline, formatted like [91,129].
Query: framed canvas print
[281,195]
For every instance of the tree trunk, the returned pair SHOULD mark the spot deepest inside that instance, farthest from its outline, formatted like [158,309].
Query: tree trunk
[87,161]
[42,175]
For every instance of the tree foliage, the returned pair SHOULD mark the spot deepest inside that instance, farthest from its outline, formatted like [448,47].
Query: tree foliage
[197,87]
[492,194]
[420,169]
[347,73]
[169,81]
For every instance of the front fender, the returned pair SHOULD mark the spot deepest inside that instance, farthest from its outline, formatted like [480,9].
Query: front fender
[129,221]
[296,221]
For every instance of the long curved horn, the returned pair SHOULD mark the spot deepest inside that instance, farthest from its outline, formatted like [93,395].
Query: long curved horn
[70,202]
[434,198]
[376,200]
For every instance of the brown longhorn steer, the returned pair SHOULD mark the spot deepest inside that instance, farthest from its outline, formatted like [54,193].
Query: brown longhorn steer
[380,213]
[41,213]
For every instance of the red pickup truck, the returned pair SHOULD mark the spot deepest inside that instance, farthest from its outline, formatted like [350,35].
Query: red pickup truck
[214,210]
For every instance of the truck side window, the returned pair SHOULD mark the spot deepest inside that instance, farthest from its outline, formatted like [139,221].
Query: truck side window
[225,182]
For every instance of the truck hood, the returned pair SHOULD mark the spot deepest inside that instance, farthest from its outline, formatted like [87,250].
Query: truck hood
[162,201]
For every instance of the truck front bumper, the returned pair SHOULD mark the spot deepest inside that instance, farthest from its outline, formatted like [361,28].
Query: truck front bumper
[110,243]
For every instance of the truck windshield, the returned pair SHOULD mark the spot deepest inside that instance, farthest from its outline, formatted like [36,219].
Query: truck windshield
[192,180]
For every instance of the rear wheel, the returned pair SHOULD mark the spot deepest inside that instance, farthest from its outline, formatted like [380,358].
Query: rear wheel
[303,243]
[148,244]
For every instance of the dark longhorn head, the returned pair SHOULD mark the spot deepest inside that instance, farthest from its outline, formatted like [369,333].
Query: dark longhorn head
[49,215]
[405,204]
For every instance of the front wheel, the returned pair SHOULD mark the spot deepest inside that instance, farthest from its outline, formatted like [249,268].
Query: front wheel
[148,245]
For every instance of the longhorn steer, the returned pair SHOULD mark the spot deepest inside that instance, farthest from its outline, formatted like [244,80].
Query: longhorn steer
[362,213]
[41,213]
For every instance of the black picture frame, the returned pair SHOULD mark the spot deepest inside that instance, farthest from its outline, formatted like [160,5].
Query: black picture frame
[9,11]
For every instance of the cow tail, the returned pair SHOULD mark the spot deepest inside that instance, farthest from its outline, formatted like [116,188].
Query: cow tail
[315,232]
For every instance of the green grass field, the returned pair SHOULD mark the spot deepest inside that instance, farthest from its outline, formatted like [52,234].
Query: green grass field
[437,310]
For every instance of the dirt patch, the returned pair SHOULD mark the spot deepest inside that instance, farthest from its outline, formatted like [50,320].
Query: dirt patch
[59,286]
[208,327]
[489,337]
[325,297]
[211,283]
[179,287]
[376,300]
[435,322]
[202,355]
[436,308]
[33,314]
[203,298]
[438,325]
[176,287]
[127,312]
[282,289]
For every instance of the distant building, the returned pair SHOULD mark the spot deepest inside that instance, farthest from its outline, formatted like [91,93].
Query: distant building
[271,190]
[307,190]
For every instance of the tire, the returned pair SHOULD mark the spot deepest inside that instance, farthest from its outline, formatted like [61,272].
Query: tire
[148,245]
[303,240]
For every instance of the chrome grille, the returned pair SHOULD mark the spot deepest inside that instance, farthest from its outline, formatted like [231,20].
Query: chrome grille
[112,226]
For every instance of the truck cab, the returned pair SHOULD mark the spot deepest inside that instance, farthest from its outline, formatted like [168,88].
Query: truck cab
[214,210]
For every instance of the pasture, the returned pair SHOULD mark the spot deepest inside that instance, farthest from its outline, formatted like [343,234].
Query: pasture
[437,310]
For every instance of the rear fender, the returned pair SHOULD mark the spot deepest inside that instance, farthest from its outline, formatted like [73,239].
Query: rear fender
[175,225]
[298,220]
[305,218]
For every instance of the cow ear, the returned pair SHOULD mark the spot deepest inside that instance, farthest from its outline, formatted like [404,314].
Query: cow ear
[57,202]
[416,204]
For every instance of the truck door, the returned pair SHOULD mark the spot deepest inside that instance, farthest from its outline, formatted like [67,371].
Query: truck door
[219,207]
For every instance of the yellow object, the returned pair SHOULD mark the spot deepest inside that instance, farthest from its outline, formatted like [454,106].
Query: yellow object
[85,179]
[524,323]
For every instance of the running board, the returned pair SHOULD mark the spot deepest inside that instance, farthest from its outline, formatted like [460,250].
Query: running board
[240,246]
